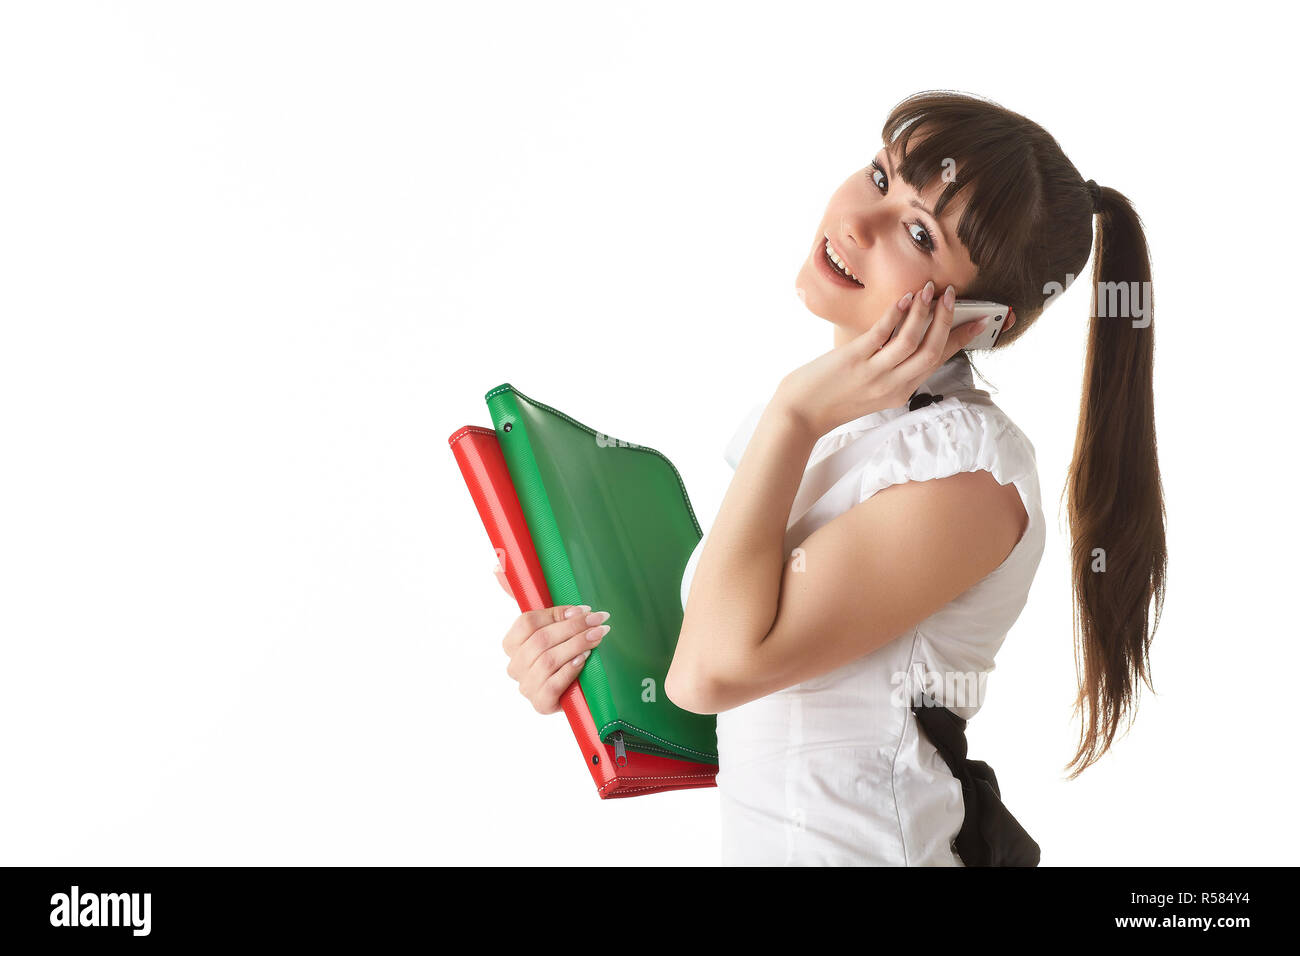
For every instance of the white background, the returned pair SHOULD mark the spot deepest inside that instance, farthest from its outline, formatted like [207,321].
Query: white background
[259,260]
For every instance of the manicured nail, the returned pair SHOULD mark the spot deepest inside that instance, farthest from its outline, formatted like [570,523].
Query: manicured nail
[949,297]
[600,617]
[905,301]
[928,292]
[574,610]
[577,661]
[597,633]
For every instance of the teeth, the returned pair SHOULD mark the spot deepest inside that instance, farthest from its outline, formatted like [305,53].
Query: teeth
[830,254]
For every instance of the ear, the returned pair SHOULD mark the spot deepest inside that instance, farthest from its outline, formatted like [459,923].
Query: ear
[1011,319]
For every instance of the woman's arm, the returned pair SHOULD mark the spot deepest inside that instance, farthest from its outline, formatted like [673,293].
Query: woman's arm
[752,625]
[735,591]
[755,623]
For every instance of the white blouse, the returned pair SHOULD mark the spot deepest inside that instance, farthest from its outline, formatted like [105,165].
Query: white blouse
[835,770]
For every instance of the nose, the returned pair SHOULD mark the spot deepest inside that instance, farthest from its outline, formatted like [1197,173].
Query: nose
[859,228]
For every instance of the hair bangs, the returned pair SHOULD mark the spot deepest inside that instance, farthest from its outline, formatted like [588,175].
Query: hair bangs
[961,142]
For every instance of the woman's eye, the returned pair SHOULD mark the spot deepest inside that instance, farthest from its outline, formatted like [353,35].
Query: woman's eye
[920,235]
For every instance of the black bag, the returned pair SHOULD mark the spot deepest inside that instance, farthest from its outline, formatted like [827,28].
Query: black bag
[989,835]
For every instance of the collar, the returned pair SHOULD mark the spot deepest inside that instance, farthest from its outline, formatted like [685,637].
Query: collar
[952,376]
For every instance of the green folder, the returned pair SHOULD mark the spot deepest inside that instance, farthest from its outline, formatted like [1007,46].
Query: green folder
[613,528]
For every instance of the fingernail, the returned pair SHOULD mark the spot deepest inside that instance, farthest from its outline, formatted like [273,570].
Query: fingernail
[600,617]
[598,633]
[949,297]
[928,292]
[577,661]
[905,301]
[574,610]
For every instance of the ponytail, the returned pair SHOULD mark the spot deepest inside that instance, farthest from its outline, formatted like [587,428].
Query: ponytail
[1116,502]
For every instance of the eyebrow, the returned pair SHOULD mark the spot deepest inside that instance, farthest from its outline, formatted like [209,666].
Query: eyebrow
[918,204]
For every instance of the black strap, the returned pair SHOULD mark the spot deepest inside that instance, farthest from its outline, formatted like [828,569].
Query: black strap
[989,835]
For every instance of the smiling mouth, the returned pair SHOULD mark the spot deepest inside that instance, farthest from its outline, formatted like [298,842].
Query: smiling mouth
[838,264]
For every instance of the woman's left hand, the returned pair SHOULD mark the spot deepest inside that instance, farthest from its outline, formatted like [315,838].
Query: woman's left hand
[865,375]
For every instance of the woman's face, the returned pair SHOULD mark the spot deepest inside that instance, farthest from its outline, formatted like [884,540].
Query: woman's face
[882,229]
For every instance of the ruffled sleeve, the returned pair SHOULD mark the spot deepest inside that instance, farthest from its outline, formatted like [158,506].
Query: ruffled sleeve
[949,438]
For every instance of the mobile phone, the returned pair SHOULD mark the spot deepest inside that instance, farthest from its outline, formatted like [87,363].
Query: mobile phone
[971,310]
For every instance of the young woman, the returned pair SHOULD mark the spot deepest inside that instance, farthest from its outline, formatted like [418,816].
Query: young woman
[883,527]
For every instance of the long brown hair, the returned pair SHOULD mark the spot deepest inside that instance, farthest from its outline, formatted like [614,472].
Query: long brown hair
[1028,227]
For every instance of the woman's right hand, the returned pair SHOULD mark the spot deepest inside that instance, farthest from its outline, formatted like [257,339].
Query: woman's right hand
[548,648]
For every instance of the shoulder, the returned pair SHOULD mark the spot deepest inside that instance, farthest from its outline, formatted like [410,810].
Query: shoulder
[962,509]
[965,464]
[966,517]
[962,434]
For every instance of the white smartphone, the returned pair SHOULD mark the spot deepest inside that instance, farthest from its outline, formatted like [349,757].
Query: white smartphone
[971,310]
